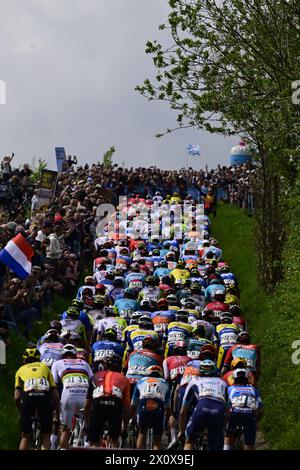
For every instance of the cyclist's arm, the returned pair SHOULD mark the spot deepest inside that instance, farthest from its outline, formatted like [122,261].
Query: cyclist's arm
[17,397]
[55,400]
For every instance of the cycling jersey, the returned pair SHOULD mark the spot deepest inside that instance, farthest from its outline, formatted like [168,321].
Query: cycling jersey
[244,398]
[83,317]
[150,293]
[33,378]
[249,352]
[50,352]
[227,334]
[110,384]
[194,347]
[73,374]
[138,363]
[209,329]
[206,387]
[151,393]
[161,319]
[179,274]
[134,277]
[160,272]
[126,304]
[174,367]
[73,326]
[105,349]
[210,290]
[178,331]
[191,370]
[117,323]
[135,340]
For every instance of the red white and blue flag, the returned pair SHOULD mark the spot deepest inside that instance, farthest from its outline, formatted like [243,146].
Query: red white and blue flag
[17,256]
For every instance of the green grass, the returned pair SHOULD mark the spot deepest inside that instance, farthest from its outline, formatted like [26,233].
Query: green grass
[274,322]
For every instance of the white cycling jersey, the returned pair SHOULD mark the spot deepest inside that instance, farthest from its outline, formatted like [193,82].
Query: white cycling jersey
[206,387]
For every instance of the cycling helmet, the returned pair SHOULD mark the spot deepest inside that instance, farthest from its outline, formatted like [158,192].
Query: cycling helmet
[235,310]
[110,333]
[150,342]
[89,280]
[129,293]
[55,325]
[145,304]
[243,337]
[156,252]
[240,374]
[135,267]
[214,281]
[150,280]
[180,264]
[77,303]
[179,348]
[199,330]
[195,287]
[99,300]
[73,312]
[163,264]
[209,269]
[207,351]
[135,318]
[226,317]
[113,362]
[154,371]
[171,298]
[31,354]
[52,333]
[110,311]
[238,363]
[100,287]
[145,322]
[218,295]
[182,315]
[170,256]
[69,349]
[208,368]
[225,269]
[118,282]
[162,303]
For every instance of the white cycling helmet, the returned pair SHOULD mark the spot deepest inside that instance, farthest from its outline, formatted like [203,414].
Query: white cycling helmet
[69,349]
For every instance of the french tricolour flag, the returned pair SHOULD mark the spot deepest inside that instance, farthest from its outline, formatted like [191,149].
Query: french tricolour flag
[17,256]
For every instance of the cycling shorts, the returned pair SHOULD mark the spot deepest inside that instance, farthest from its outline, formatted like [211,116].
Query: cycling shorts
[106,414]
[40,404]
[69,406]
[151,419]
[248,421]
[208,414]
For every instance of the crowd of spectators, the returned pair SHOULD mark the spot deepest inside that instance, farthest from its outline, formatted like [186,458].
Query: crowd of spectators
[63,235]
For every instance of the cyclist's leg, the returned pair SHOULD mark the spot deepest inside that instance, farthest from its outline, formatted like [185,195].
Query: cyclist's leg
[114,422]
[28,409]
[68,408]
[215,424]
[195,424]
[95,423]
[249,423]
[230,432]
[45,413]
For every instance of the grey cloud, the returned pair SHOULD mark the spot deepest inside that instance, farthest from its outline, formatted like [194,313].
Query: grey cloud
[70,67]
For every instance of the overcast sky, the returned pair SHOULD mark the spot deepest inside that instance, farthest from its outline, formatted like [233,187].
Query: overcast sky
[70,69]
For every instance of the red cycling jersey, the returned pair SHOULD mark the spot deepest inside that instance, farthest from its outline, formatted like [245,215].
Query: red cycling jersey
[174,367]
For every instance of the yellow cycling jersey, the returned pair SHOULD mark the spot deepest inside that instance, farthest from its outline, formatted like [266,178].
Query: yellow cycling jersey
[34,377]
[178,331]
[126,332]
[175,200]
[178,274]
[231,300]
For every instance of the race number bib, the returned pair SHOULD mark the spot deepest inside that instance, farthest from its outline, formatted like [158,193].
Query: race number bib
[174,336]
[76,381]
[228,338]
[103,353]
[39,384]
[48,361]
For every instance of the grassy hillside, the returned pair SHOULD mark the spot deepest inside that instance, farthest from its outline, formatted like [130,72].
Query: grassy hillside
[274,323]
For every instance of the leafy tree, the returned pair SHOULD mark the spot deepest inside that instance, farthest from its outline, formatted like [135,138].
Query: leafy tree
[107,157]
[229,70]
[37,170]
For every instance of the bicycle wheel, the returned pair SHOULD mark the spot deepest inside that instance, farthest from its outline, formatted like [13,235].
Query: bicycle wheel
[149,439]
[36,435]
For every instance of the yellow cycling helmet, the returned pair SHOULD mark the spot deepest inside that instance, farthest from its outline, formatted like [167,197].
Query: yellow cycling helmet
[31,353]
[238,362]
